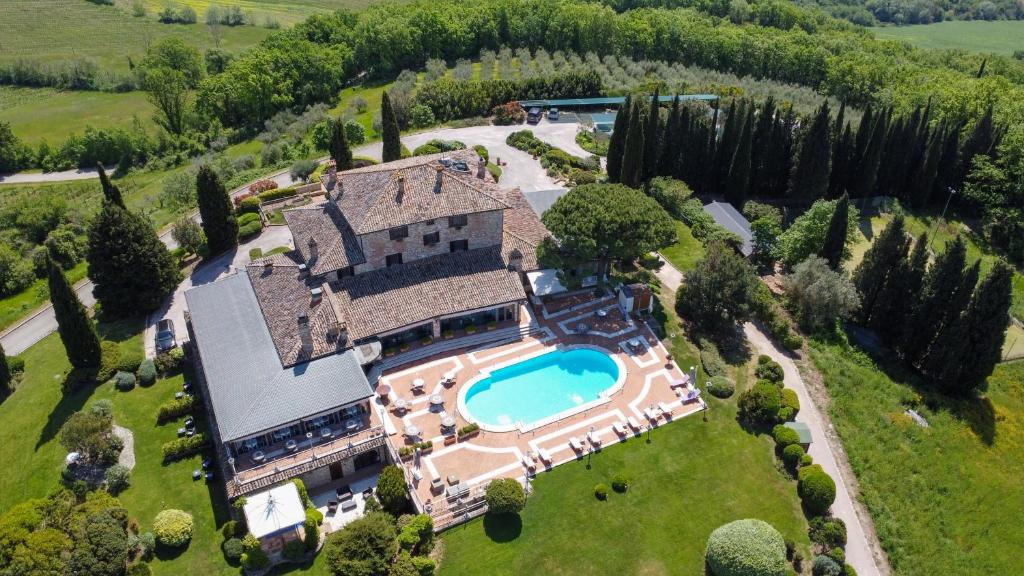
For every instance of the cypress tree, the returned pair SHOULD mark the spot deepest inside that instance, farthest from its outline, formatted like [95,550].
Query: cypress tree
[946,356]
[867,123]
[895,302]
[865,175]
[216,211]
[842,155]
[886,254]
[706,168]
[923,181]
[633,156]
[982,330]
[737,185]
[686,142]
[834,245]
[941,284]
[949,163]
[389,126]
[670,142]
[810,175]
[889,169]
[340,151]
[726,148]
[981,140]
[761,143]
[5,373]
[652,136]
[132,270]
[617,144]
[74,326]
[110,192]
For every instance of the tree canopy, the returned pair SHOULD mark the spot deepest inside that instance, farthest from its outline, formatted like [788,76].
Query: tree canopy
[76,329]
[216,210]
[716,293]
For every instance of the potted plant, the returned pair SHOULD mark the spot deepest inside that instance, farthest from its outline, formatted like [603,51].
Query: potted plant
[405,452]
[471,329]
[492,325]
[426,447]
[448,334]
[450,439]
[404,347]
[389,351]
[468,431]
[427,340]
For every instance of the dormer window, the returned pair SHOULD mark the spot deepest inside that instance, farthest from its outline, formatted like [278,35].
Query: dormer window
[399,233]
[458,221]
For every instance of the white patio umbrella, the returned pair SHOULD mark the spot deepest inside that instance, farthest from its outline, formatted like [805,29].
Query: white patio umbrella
[437,400]
[383,390]
[412,430]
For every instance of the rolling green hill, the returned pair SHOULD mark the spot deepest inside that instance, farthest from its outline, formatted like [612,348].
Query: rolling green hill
[1001,37]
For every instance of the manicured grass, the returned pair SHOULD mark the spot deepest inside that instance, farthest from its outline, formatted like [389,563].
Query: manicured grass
[62,30]
[945,499]
[30,448]
[372,94]
[284,11]
[15,307]
[692,477]
[37,114]
[941,232]
[684,253]
[1002,37]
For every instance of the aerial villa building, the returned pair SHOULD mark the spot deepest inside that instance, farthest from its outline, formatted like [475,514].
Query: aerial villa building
[399,255]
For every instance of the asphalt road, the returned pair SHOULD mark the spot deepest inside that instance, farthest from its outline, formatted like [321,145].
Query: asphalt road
[519,169]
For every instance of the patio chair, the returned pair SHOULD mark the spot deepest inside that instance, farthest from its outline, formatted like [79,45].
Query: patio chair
[634,424]
[651,413]
[575,444]
[529,463]
[332,507]
[544,456]
[620,428]
[594,438]
[665,410]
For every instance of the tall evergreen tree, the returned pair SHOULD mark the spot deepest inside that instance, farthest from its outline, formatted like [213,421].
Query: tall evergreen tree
[941,284]
[834,246]
[922,182]
[902,288]
[670,141]
[617,144]
[706,170]
[686,146]
[842,154]
[811,173]
[652,139]
[110,192]
[737,185]
[5,373]
[949,163]
[761,142]
[981,140]
[76,330]
[390,134]
[216,211]
[633,157]
[887,253]
[131,268]
[864,175]
[726,147]
[340,151]
[945,356]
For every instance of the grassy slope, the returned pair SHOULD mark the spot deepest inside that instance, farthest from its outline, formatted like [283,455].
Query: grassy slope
[1002,37]
[691,478]
[945,499]
[37,114]
[29,446]
[684,253]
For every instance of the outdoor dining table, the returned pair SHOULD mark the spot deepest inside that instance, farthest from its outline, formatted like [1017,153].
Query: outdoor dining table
[412,430]
[417,384]
[448,421]
[437,400]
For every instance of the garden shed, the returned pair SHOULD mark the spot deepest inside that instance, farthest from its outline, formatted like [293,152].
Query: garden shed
[803,430]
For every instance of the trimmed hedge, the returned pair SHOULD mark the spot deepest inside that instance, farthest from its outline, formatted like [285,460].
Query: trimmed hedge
[183,447]
[147,373]
[173,528]
[249,205]
[770,370]
[721,387]
[711,359]
[277,194]
[828,531]
[760,404]
[817,489]
[482,152]
[792,454]
[790,405]
[176,408]
[746,548]
[785,436]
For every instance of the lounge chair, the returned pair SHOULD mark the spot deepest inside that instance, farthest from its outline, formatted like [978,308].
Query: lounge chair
[544,456]
[682,382]
[332,507]
[529,463]
[575,444]
[651,413]
[620,428]
[593,438]
[634,424]
[665,410]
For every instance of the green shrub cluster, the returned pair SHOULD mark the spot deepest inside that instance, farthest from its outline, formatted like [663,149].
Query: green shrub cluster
[825,566]
[712,361]
[232,548]
[416,535]
[110,355]
[721,387]
[785,436]
[173,528]
[183,447]
[790,405]
[249,225]
[170,361]
[769,370]
[293,550]
[505,496]
[253,557]
[760,404]
[792,454]
[124,381]
[277,194]
[828,531]
[746,548]
[147,373]
[176,408]
[816,488]
[250,205]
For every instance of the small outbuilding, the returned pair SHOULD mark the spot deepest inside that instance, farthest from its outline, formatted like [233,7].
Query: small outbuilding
[275,517]
[727,216]
[635,298]
[803,431]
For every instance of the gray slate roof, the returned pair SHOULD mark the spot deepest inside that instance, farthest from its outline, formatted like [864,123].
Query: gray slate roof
[250,391]
[727,216]
[541,200]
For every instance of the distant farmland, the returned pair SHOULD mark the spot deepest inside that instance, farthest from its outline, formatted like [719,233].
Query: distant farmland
[1001,37]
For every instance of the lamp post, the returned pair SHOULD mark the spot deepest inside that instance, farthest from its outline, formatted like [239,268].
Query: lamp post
[952,191]
[309,436]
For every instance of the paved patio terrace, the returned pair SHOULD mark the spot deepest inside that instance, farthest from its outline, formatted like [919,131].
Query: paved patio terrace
[487,455]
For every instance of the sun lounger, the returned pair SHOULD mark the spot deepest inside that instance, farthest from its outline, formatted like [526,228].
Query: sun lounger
[529,463]
[651,414]
[634,424]
[620,428]
[593,438]
[544,456]
[682,382]
[665,410]
[575,444]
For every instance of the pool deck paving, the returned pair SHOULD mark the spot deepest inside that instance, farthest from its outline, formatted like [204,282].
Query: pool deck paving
[490,454]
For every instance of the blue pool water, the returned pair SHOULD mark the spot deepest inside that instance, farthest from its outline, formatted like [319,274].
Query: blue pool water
[541,386]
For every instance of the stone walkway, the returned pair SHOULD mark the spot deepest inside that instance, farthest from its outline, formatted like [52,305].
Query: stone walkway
[127,457]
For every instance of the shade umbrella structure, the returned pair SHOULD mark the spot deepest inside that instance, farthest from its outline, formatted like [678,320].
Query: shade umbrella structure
[383,390]
[277,510]
[437,400]
[418,383]
[412,430]
[448,421]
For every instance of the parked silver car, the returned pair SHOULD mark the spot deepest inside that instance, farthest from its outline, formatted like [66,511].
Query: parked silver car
[165,339]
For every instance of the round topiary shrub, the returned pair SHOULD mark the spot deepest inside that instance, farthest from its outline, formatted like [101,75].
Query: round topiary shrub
[760,404]
[848,570]
[791,455]
[601,491]
[232,548]
[785,436]
[746,548]
[116,478]
[828,531]
[721,387]
[505,496]
[817,489]
[790,405]
[173,528]
[620,483]
[825,566]
[147,373]
[806,460]
[124,381]
[139,569]
[770,370]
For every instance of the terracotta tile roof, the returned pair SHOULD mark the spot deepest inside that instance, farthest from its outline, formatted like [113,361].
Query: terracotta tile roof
[523,229]
[284,294]
[337,245]
[371,198]
[408,294]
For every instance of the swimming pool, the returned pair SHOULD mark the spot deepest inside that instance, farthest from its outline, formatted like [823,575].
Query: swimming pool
[534,390]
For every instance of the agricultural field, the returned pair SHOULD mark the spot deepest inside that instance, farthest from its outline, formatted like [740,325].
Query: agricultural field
[285,12]
[37,114]
[944,498]
[1001,37]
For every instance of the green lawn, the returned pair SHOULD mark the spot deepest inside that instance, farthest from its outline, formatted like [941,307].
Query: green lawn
[284,11]
[684,253]
[37,114]
[17,306]
[1002,37]
[945,499]
[32,417]
[692,477]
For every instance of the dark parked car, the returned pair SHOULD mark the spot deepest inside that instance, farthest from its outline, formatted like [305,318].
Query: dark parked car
[534,115]
[165,339]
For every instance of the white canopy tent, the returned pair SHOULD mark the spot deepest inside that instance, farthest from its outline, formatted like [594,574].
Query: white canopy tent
[545,282]
[275,510]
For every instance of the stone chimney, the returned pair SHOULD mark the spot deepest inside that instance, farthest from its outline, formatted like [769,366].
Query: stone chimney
[305,336]
[481,167]
[515,260]
[400,194]
[268,266]
[332,173]
[314,252]
[437,182]
[315,295]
